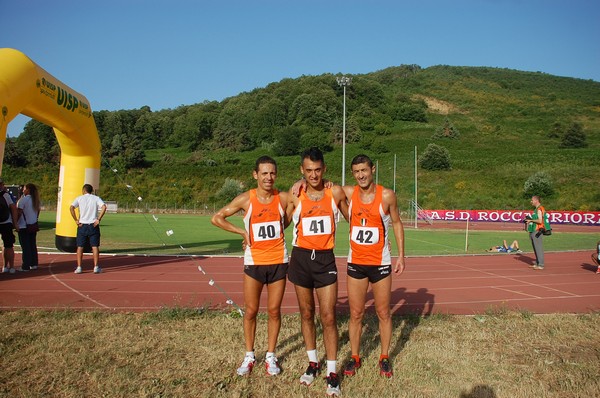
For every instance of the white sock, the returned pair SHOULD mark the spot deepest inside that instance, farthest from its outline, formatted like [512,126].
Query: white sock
[270,354]
[331,367]
[250,354]
[312,356]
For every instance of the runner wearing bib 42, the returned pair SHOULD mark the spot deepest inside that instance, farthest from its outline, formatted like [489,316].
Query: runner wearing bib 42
[369,227]
[372,211]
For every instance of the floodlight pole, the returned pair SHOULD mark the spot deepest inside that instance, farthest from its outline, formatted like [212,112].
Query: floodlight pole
[344,81]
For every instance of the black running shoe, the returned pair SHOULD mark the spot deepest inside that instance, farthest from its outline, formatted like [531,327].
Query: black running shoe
[351,366]
[385,368]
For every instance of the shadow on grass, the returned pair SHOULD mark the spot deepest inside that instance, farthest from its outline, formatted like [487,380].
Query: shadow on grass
[479,391]
[409,310]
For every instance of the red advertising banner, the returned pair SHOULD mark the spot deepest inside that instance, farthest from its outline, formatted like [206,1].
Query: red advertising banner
[556,217]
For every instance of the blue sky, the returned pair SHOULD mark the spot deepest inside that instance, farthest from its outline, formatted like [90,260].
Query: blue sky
[124,54]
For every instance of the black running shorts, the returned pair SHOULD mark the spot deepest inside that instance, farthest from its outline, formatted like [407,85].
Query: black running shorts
[312,269]
[8,237]
[266,274]
[374,273]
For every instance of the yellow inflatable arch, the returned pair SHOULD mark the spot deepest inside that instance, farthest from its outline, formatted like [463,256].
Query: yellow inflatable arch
[28,89]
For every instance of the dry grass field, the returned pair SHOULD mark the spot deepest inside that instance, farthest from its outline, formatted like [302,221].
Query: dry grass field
[194,353]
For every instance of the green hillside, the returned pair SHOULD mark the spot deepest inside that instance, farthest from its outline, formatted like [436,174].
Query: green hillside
[509,125]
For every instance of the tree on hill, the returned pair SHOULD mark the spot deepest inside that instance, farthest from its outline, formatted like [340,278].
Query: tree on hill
[37,145]
[574,137]
[287,141]
[540,184]
[435,157]
[446,131]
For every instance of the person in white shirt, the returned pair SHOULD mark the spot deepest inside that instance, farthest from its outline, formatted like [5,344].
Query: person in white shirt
[88,224]
[29,210]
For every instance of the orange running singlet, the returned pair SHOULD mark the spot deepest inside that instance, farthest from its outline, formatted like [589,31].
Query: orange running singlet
[314,222]
[369,227]
[264,225]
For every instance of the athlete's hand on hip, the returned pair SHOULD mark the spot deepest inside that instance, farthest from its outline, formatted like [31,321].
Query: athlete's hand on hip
[245,242]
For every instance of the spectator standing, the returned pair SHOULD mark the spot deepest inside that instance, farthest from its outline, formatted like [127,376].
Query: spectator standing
[535,224]
[29,211]
[88,224]
[9,210]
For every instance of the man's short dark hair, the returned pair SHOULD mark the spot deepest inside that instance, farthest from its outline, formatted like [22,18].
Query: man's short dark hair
[313,154]
[88,188]
[359,159]
[263,160]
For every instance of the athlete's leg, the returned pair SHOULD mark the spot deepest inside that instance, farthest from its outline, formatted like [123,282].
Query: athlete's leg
[306,304]
[327,296]
[382,294]
[357,291]
[252,290]
[275,292]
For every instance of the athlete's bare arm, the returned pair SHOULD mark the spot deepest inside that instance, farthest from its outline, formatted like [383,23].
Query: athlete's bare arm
[348,191]
[241,202]
[389,201]
[288,207]
[340,200]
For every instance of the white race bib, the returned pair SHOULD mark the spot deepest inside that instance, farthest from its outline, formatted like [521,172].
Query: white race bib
[266,231]
[312,226]
[365,235]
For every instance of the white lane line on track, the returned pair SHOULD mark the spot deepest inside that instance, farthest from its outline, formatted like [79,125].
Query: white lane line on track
[72,289]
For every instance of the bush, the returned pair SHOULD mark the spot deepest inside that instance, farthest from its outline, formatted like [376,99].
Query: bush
[574,137]
[446,131]
[230,189]
[435,157]
[380,145]
[539,184]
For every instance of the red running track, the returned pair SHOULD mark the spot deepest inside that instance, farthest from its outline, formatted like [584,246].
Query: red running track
[447,285]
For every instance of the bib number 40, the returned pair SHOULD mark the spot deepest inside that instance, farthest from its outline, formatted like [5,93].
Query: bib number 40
[266,231]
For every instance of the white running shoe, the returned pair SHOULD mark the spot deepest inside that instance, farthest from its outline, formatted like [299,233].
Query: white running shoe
[97,270]
[78,270]
[246,366]
[272,366]
[5,270]
[311,374]
[333,385]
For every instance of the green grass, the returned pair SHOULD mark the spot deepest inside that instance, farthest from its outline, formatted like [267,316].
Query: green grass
[147,234]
